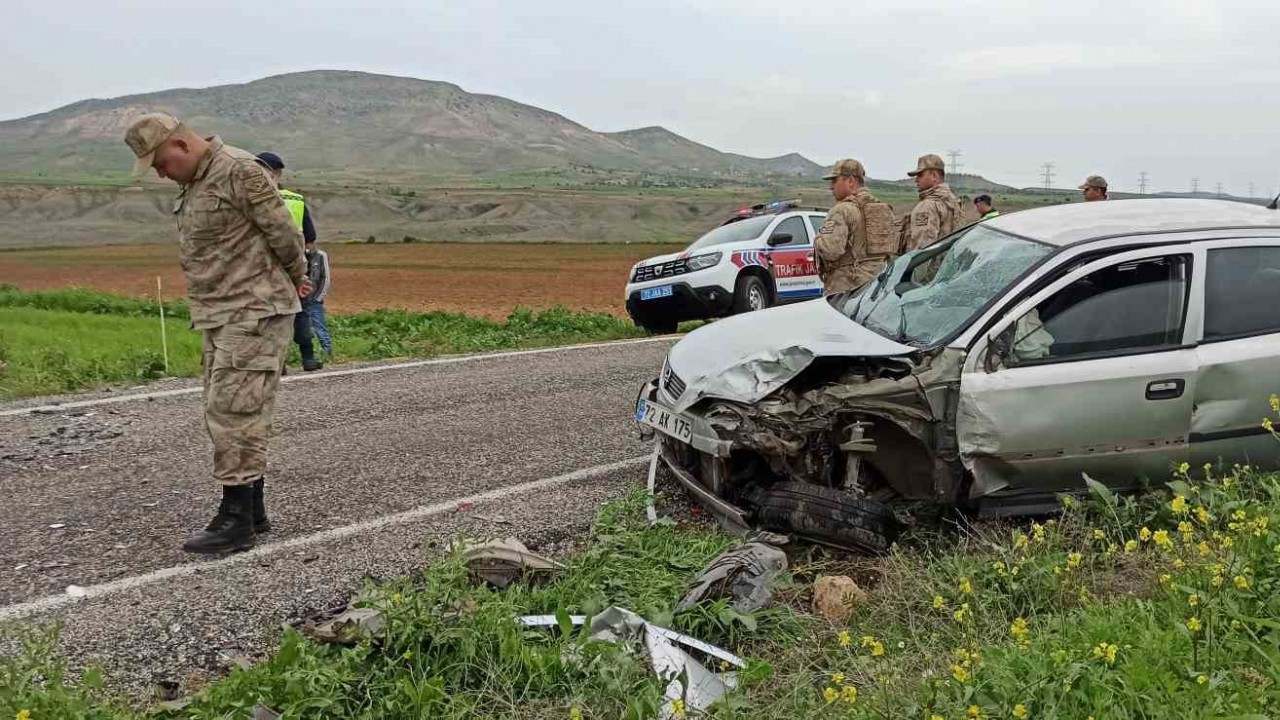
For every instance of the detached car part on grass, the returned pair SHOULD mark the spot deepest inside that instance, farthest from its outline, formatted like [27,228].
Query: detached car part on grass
[987,372]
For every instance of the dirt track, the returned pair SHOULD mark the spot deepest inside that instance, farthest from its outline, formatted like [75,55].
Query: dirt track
[488,279]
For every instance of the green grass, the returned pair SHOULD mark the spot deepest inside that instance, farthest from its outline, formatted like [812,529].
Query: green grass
[75,339]
[1088,615]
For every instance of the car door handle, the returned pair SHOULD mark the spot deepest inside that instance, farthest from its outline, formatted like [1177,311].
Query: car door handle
[1165,389]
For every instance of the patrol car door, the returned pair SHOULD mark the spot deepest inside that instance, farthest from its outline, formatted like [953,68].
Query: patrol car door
[791,260]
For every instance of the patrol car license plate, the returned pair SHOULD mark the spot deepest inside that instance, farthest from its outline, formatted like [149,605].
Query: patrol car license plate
[655,292]
[665,419]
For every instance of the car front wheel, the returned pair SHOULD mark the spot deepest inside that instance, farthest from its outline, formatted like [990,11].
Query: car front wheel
[750,295]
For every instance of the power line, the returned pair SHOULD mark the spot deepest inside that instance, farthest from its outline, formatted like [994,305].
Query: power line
[1142,183]
[1250,191]
[1195,185]
[1048,175]
[954,155]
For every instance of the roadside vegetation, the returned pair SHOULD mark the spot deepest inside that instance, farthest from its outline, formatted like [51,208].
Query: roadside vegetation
[1122,607]
[76,339]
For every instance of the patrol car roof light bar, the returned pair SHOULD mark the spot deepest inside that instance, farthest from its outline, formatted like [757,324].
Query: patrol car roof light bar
[768,208]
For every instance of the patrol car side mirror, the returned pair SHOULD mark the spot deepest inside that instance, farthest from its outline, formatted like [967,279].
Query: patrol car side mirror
[779,239]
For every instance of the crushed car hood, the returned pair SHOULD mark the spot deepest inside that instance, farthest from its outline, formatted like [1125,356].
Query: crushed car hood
[746,357]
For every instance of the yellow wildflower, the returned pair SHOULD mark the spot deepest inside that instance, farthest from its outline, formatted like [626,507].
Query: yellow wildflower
[1268,425]
[1057,569]
[1161,538]
[1274,400]
[1216,581]
[936,717]
[1193,599]
[837,678]
[397,598]
[966,587]
[1227,543]
[1203,549]
[960,673]
[677,708]
[1016,569]
[1179,564]
[937,602]
[845,638]
[1099,535]
[1020,711]
[1187,530]
[1166,579]
[960,614]
[876,647]
[849,694]
[1130,546]
[1241,582]
[23,715]
[575,714]
[1037,532]
[1019,542]
[831,694]
[408,655]
[1202,679]
[1144,534]
[1179,505]
[1260,526]
[1184,468]
[1240,515]
[1073,560]
[974,712]
[1020,632]
[1203,515]
[1112,549]
[1106,652]
[1193,624]
[1084,595]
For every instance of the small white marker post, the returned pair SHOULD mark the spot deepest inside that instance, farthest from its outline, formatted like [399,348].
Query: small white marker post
[164,337]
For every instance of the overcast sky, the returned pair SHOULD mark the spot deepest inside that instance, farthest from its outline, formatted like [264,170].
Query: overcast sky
[1179,89]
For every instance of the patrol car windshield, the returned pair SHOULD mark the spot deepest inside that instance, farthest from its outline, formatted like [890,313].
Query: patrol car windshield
[928,294]
[748,229]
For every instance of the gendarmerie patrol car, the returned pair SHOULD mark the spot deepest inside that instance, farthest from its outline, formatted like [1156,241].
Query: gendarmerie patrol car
[762,256]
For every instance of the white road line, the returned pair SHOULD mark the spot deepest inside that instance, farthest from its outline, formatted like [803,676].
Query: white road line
[337,373]
[52,602]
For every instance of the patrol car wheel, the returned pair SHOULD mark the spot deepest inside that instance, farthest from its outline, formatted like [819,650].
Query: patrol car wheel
[751,294]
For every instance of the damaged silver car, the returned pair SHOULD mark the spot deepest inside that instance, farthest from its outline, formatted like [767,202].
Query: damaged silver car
[988,372]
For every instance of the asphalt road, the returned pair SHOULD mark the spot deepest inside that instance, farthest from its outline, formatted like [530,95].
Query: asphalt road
[367,470]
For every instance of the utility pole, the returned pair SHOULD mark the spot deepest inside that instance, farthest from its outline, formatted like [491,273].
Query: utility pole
[1219,189]
[1142,183]
[1048,175]
[954,167]
[1195,185]
[1250,191]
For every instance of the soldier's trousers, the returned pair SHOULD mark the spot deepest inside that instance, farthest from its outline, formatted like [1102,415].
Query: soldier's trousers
[242,363]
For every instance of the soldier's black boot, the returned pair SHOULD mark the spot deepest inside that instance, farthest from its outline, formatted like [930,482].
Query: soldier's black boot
[231,529]
[260,522]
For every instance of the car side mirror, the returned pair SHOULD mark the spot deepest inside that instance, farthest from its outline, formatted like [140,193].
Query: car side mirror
[999,350]
[779,239]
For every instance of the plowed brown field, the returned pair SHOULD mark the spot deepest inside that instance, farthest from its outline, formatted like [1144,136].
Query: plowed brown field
[488,279]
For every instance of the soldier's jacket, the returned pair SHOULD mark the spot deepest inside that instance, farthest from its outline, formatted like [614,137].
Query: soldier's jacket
[848,259]
[240,250]
[937,215]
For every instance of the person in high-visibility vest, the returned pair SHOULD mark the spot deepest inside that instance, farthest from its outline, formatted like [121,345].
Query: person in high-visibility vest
[297,206]
[986,209]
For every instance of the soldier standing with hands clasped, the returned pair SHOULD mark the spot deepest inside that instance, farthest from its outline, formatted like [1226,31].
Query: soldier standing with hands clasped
[856,239]
[242,256]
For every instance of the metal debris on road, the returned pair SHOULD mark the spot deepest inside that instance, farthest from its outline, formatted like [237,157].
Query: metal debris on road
[669,660]
[744,573]
[502,562]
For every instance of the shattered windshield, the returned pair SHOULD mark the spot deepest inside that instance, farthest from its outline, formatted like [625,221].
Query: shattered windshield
[733,232]
[927,294]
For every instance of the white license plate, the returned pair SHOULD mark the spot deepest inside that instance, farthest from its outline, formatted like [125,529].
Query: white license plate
[665,419]
[655,292]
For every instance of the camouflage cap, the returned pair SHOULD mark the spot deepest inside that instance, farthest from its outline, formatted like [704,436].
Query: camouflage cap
[146,135]
[1094,181]
[928,162]
[847,167]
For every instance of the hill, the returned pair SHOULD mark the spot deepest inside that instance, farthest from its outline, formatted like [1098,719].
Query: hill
[339,125]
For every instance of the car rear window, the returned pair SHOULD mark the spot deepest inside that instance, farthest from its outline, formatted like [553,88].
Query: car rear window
[1242,292]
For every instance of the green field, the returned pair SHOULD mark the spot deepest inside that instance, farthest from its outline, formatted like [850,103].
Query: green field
[67,340]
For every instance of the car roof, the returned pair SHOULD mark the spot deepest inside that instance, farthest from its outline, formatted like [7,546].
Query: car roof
[1082,221]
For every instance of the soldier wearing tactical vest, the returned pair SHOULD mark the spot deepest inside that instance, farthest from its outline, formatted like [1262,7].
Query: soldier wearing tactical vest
[297,205]
[856,239]
[938,213]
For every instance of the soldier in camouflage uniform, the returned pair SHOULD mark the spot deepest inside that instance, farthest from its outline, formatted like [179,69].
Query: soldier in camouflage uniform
[848,257]
[242,257]
[937,214]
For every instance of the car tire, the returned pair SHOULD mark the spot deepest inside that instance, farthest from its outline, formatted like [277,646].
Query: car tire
[665,328]
[750,294]
[827,516]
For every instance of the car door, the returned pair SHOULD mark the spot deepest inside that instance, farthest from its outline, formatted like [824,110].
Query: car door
[791,260]
[1239,354]
[1092,374]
